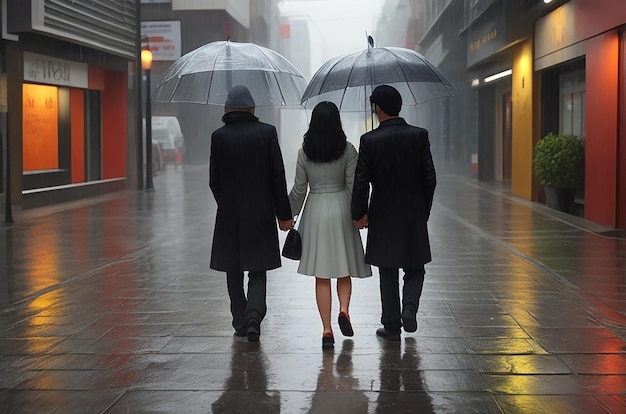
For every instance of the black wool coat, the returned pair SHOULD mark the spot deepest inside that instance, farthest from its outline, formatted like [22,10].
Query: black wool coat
[395,159]
[247,178]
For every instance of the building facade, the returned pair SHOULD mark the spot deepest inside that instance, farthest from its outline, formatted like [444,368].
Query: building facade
[441,41]
[71,99]
[67,99]
[580,57]
[532,68]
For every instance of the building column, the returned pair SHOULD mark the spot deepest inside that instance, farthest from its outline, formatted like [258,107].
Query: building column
[15,78]
[523,122]
[601,129]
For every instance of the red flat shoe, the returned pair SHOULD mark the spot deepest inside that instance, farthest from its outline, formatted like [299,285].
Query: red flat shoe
[344,324]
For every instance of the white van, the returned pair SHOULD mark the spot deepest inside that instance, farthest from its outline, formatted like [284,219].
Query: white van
[166,131]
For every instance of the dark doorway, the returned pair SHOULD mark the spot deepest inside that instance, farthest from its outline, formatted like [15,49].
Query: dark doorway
[3,138]
[507,137]
[93,135]
[486,133]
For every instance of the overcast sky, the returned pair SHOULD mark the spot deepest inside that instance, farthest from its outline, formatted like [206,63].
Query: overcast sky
[337,27]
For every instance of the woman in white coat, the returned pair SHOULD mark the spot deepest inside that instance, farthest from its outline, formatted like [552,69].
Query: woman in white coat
[331,245]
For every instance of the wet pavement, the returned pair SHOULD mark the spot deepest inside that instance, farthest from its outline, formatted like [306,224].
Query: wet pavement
[108,305]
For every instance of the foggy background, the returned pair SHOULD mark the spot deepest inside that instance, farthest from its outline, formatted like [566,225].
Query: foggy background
[307,33]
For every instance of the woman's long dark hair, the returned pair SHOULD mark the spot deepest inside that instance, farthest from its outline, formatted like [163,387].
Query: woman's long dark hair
[324,140]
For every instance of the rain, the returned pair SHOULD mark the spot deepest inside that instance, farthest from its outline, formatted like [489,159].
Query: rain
[118,291]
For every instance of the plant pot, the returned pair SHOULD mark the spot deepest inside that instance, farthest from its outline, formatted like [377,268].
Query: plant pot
[561,199]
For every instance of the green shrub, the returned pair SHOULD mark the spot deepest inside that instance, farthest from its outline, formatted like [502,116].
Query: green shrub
[559,161]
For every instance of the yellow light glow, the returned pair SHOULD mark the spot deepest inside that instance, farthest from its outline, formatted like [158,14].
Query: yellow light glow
[40,127]
[146,59]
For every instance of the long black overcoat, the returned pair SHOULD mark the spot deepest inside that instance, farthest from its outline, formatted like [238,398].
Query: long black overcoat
[396,159]
[247,177]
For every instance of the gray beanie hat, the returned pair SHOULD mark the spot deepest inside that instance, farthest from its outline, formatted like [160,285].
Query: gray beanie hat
[239,97]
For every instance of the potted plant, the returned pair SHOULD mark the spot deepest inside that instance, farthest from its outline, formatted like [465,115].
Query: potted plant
[559,163]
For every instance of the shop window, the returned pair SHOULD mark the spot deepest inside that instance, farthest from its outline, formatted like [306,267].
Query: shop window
[572,112]
[46,136]
[572,103]
[62,137]
[40,127]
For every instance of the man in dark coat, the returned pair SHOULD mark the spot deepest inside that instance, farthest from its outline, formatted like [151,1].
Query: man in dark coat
[395,158]
[247,178]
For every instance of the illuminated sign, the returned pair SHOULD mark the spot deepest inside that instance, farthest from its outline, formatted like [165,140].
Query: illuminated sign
[164,39]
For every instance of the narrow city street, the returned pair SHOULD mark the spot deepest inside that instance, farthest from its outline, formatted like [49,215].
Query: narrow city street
[108,305]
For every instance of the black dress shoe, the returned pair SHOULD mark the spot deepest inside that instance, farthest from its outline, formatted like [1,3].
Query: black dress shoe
[328,341]
[345,325]
[254,331]
[241,333]
[383,333]
[409,318]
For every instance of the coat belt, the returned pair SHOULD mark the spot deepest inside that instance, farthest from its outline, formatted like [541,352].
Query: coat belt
[327,190]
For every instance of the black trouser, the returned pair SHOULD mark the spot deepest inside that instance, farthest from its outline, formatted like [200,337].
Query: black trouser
[390,294]
[253,307]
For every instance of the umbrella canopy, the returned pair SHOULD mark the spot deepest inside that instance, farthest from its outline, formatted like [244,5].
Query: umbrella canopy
[206,74]
[348,80]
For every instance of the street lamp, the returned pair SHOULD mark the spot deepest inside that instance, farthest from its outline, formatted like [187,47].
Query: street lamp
[146,64]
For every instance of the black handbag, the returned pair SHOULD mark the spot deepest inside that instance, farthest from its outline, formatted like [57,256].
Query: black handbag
[293,245]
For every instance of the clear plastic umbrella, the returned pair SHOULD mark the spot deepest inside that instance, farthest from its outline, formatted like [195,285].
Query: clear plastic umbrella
[348,80]
[206,74]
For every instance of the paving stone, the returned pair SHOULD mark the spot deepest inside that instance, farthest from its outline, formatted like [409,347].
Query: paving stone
[108,305]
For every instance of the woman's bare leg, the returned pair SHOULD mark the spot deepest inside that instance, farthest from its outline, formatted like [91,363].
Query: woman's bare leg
[344,291]
[324,303]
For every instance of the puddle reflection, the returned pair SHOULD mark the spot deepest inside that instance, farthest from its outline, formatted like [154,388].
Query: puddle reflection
[337,390]
[401,385]
[245,391]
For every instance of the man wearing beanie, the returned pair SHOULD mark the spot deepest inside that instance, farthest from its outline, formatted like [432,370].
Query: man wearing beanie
[247,178]
[395,159]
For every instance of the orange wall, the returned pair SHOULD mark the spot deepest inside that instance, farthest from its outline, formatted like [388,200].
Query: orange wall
[596,16]
[40,127]
[601,143]
[621,181]
[522,96]
[114,125]
[77,117]
[96,78]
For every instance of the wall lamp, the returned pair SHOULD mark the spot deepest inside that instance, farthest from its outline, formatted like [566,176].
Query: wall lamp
[497,76]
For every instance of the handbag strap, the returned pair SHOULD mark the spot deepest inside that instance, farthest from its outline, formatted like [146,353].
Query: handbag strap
[297,216]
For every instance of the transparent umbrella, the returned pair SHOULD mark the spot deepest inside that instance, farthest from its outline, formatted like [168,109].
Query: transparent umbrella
[348,80]
[206,74]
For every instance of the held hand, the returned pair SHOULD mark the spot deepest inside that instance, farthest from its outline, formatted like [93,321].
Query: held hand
[361,223]
[285,225]
[358,223]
